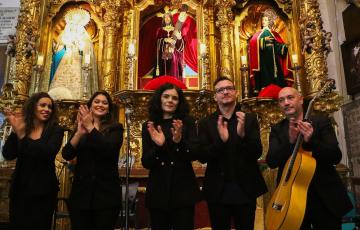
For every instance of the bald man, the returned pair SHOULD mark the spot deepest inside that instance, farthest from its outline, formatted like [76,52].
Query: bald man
[327,199]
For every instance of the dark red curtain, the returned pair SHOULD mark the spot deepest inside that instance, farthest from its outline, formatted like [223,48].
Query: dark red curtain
[147,44]
[189,33]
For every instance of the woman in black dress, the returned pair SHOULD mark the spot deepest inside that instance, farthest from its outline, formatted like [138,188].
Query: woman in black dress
[170,144]
[95,198]
[34,142]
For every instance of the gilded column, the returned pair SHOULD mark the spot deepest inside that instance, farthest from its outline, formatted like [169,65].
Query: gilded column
[26,36]
[223,22]
[111,26]
[312,34]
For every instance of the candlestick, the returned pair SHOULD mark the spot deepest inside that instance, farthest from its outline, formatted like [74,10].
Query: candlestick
[86,74]
[202,49]
[244,73]
[40,60]
[130,59]
[244,60]
[131,48]
[38,69]
[87,59]
[296,67]
[294,59]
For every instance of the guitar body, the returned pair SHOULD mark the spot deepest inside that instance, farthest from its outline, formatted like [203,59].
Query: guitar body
[287,206]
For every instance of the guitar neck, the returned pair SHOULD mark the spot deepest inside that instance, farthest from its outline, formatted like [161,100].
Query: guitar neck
[299,141]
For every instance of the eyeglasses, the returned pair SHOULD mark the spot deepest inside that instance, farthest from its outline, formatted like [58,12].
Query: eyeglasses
[227,88]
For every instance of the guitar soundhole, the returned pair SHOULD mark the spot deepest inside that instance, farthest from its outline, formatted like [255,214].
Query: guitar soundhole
[277,207]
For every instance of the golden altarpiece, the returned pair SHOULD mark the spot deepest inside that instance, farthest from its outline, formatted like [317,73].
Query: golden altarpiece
[102,39]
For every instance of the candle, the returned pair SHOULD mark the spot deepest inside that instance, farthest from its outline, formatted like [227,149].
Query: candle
[87,59]
[202,49]
[131,48]
[40,60]
[244,60]
[294,59]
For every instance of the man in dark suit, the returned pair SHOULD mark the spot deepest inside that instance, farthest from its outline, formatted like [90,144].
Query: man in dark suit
[231,145]
[327,198]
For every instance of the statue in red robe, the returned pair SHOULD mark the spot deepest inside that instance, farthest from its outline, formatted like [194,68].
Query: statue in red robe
[170,49]
[269,59]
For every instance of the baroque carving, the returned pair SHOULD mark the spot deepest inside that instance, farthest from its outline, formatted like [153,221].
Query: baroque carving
[329,103]
[314,41]
[111,24]
[67,111]
[224,14]
[224,19]
[8,98]
[286,5]
[27,33]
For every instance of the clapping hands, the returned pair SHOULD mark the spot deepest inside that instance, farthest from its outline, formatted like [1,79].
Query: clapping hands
[85,120]
[176,130]
[17,122]
[158,136]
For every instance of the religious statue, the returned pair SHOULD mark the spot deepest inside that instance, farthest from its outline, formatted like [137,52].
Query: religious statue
[170,47]
[69,56]
[269,58]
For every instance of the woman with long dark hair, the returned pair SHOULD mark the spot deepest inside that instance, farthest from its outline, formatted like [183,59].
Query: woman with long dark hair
[169,146]
[95,198]
[35,140]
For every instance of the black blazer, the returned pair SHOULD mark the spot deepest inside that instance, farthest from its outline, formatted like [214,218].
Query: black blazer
[96,182]
[324,146]
[171,182]
[35,165]
[239,155]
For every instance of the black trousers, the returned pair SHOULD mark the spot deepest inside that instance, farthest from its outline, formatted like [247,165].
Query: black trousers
[32,212]
[242,214]
[318,216]
[94,219]
[172,219]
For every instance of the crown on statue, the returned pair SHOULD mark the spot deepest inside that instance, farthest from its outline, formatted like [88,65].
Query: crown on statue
[78,16]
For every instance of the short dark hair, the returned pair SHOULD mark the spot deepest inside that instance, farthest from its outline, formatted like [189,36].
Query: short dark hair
[155,110]
[222,78]
[107,119]
[29,112]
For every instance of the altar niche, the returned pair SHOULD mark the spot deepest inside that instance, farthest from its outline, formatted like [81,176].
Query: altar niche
[269,62]
[168,45]
[71,69]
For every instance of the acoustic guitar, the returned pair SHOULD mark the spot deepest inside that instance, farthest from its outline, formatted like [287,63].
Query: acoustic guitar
[287,206]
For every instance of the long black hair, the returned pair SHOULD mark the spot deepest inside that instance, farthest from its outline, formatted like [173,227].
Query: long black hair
[155,110]
[106,120]
[30,108]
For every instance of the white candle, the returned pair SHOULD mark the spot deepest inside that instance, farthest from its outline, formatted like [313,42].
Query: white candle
[244,60]
[131,48]
[294,59]
[87,59]
[202,49]
[40,60]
